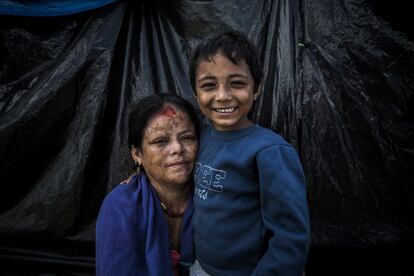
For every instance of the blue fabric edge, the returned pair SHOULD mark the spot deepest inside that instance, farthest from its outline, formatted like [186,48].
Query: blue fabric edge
[50,8]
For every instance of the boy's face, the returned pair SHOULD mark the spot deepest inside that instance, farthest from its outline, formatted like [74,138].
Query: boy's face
[225,92]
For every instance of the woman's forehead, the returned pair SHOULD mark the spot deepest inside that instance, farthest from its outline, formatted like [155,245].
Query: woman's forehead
[168,110]
[169,118]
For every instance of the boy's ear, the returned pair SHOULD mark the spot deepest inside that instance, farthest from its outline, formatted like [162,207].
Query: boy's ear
[195,96]
[136,155]
[257,92]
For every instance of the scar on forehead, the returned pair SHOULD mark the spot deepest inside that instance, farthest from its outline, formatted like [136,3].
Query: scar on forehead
[168,110]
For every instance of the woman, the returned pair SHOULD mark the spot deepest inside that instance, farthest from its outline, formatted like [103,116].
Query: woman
[144,225]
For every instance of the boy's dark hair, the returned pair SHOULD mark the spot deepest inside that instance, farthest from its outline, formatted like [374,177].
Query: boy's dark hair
[149,106]
[235,46]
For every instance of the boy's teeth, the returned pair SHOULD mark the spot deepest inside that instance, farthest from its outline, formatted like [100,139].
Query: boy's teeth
[225,110]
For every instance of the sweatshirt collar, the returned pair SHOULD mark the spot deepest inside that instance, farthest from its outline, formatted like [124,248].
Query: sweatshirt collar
[232,134]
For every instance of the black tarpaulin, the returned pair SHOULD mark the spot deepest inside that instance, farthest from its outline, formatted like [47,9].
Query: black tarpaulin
[338,85]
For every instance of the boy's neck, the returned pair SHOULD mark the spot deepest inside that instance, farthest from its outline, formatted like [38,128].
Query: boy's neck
[230,128]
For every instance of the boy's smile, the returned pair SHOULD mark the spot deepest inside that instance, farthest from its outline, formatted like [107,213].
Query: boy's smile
[225,92]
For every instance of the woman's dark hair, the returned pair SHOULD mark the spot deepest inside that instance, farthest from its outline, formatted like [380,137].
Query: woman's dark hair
[149,106]
[235,46]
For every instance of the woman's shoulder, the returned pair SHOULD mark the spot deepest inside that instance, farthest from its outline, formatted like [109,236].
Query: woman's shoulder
[119,209]
[122,193]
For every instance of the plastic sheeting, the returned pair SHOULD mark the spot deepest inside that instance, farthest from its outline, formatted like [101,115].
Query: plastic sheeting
[339,86]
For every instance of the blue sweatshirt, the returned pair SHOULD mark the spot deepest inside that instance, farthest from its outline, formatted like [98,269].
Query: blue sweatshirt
[250,209]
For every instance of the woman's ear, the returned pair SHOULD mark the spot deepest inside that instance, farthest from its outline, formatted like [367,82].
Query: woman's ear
[136,155]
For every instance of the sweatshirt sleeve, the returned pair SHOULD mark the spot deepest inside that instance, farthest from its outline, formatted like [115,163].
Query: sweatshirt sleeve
[284,211]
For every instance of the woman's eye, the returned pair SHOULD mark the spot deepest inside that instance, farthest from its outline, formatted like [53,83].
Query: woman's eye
[160,141]
[189,137]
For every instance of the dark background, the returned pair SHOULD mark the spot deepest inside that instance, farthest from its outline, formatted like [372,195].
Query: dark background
[339,87]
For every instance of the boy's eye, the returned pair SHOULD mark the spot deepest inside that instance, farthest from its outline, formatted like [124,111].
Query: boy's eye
[238,84]
[208,86]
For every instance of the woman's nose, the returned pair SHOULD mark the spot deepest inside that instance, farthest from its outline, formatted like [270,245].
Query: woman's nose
[176,147]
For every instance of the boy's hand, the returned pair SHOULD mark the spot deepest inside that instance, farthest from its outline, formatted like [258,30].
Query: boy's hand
[128,179]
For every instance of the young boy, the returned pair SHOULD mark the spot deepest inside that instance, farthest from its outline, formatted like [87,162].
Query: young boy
[251,215]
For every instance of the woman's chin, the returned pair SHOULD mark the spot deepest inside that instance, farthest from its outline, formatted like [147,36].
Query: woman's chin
[181,179]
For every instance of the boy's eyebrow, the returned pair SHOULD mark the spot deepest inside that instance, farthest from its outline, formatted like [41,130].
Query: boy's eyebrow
[208,77]
[238,75]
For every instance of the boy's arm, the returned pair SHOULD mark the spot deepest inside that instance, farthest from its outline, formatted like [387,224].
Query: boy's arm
[284,211]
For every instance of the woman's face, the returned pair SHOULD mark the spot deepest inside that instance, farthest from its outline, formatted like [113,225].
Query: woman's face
[169,148]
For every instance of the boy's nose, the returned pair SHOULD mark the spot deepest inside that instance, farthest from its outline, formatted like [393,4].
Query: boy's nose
[223,94]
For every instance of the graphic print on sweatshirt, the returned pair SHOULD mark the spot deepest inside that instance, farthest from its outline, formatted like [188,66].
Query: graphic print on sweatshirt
[207,180]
